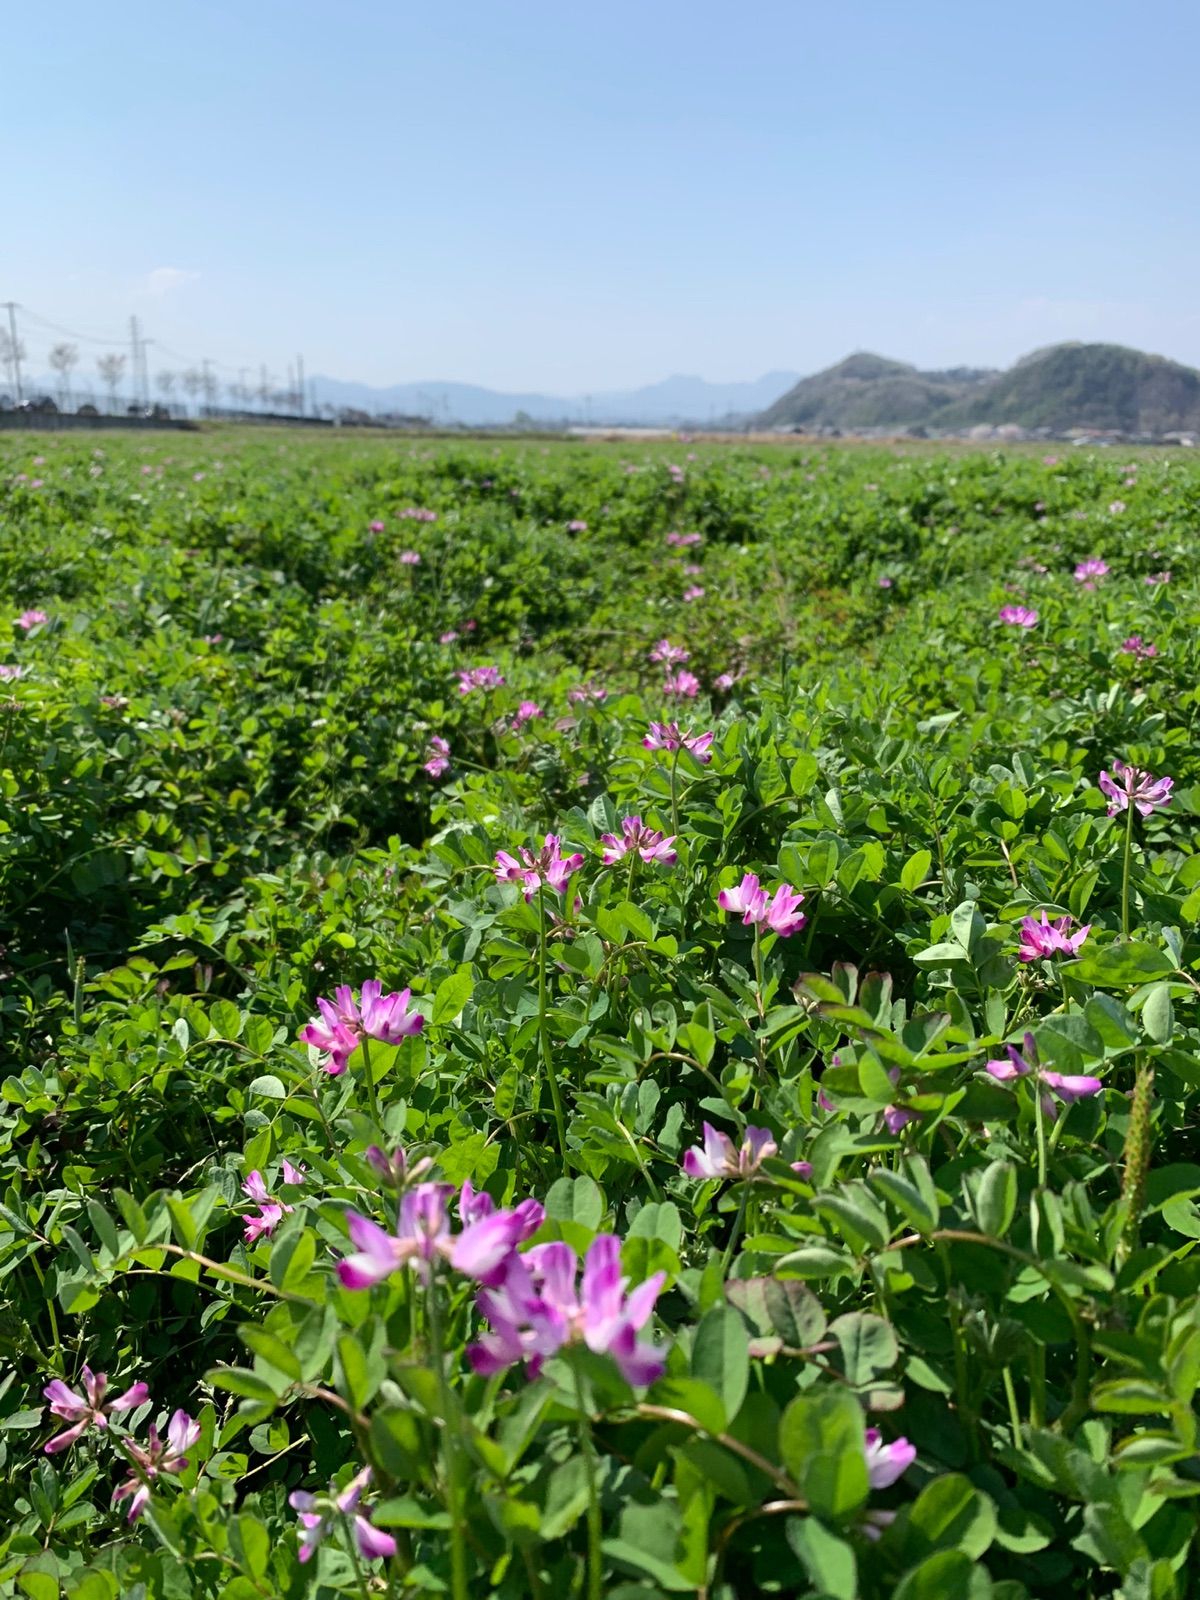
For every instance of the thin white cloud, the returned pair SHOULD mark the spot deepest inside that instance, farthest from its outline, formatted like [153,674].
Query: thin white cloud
[164,280]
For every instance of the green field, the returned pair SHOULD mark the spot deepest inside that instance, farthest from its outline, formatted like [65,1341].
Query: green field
[674,1234]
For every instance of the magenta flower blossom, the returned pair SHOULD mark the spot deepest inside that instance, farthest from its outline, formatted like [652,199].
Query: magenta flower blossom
[717,1157]
[416,514]
[549,866]
[410,558]
[648,842]
[1023,1063]
[157,1456]
[9,674]
[448,637]
[886,1462]
[586,691]
[423,1235]
[271,1212]
[576,526]
[89,1409]
[1019,616]
[342,1025]
[1116,507]
[318,1515]
[291,1174]
[684,540]
[377,526]
[1046,938]
[725,681]
[527,711]
[537,1309]
[479,678]
[668,654]
[1158,577]
[1134,784]
[667,736]
[755,907]
[1135,645]
[31,619]
[693,592]
[681,685]
[1093,567]
[437,756]
[394,1169]
[885,583]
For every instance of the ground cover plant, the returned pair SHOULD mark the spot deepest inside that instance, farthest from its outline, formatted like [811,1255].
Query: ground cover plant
[602,1020]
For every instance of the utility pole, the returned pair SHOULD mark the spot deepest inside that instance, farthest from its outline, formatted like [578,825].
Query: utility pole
[16,348]
[245,388]
[210,383]
[135,381]
[300,381]
[145,374]
[264,387]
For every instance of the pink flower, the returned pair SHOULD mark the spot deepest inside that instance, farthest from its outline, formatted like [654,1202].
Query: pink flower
[1093,567]
[155,1457]
[527,711]
[717,1158]
[438,756]
[693,592]
[886,1462]
[9,674]
[1158,577]
[591,690]
[1024,1063]
[88,1409]
[885,583]
[576,526]
[479,678]
[480,1250]
[318,1515]
[31,619]
[549,866]
[752,903]
[537,1310]
[667,736]
[341,1026]
[256,1188]
[417,514]
[669,654]
[1116,507]
[1046,938]
[726,681]
[684,540]
[394,1169]
[449,636]
[410,558]
[1135,645]
[681,685]
[1049,461]
[648,842]
[377,527]
[1132,783]
[1019,616]
[291,1174]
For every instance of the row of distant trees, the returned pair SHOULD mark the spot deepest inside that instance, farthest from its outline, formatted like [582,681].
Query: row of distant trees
[193,382]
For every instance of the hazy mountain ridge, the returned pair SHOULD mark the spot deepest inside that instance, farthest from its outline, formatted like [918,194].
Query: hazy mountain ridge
[1106,387]
[678,399]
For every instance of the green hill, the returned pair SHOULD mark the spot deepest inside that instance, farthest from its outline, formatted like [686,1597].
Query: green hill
[1103,386]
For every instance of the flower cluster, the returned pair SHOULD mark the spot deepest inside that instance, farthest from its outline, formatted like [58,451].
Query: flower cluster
[1086,572]
[479,1250]
[1068,1087]
[156,1456]
[667,736]
[1046,938]
[669,655]
[1019,616]
[31,619]
[271,1212]
[681,685]
[344,1023]
[437,756]
[416,514]
[89,1409]
[1133,784]
[318,1516]
[549,866]
[683,541]
[538,1307]
[718,1158]
[479,678]
[582,692]
[1135,645]
[755,906]
[649,844]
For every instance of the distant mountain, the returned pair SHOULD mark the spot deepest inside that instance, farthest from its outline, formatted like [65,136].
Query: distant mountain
[673,402]
[1102,386]
[867,391]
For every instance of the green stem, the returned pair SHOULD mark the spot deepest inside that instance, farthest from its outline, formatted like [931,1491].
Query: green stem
[595,1528]
[458,1547]
[737,1228]
[544,1032]
[352,1547]
[674,805]
[1040,1119]
[1014,1414]
[370,1077]
[1125,870]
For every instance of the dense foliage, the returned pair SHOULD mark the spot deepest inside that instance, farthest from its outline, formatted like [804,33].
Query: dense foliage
[430,872]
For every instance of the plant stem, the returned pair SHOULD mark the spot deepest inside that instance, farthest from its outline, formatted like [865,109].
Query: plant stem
[352,1547]
[737,1228]
[544,1032]
[1125,870]
[594,1524]
[674,805]
[370,1077]
[1013,1414]
[1040,1120]
[458,1547]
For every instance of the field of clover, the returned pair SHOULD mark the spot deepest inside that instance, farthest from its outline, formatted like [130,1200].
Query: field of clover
[597,1020]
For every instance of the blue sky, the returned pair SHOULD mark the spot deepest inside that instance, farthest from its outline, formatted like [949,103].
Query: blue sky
[572,198]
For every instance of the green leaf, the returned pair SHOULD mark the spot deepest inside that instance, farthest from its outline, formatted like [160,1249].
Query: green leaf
[452,995]
[868,1345]
[271,1350]
[821,1439]
[250,1543]
[269,1087]
[1158,1014]
[828,1560]
[721,1357]
[915,870]
[578,1200]
[950,1514]
[948,1575]
[996,1198]
[1118,964]
[292,1257]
